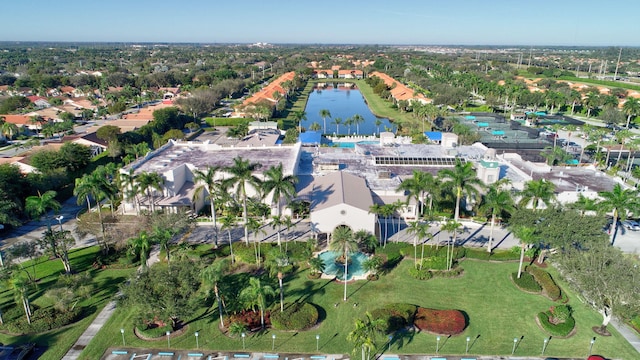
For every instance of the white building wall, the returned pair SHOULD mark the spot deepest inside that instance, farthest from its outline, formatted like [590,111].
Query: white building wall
[326,220]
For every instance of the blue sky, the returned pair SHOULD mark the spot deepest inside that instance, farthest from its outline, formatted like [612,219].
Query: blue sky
[456,22]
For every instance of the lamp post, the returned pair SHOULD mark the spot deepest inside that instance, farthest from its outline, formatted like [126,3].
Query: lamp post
[544,345]
[467,349]
[273,342]
[591,345]
[59,218]
[123,342]
[515,342]
[197,343]
[317,342]
[168,339]
[243,336]
[437,344]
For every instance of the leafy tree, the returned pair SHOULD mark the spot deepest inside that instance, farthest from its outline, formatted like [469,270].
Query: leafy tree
[75,156]
[605,277]
[108,133]
[61,241]
[160,293]
[257,294]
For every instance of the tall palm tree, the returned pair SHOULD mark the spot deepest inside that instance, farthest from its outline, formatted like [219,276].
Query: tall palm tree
[257,294]
[229,222]
[376,209]
[150,181]
[337,121]
[20,288]
[211,276]
[207,182]
[242,176]
[420,231]
[536,192]
[298,116]
[621,202]
[631,107]
[97,186]
[417,187]
[451,226]
[130,188]
[496,202]
[162,237]
[280,186]
[363,335]
[140,246]
[462,180]
[584,204]
[324,114]
[344,242]
[526,235]
[357,119]
[9,129]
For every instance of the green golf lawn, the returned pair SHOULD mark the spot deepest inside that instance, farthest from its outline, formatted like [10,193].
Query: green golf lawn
[498,312]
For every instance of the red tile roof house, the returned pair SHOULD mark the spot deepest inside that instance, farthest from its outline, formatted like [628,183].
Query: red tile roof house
[399,91]
[23,121]
[267,92]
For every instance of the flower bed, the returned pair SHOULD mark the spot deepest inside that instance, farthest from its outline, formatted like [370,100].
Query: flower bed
[250,319]
[550,288]
[562,329]
[441,322]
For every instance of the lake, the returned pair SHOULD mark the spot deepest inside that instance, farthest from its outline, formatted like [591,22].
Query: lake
[343,103]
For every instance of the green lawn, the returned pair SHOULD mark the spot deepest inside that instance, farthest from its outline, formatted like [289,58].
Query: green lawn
[59,341]
[497,313]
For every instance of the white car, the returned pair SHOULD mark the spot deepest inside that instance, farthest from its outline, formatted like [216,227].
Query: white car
[631,225]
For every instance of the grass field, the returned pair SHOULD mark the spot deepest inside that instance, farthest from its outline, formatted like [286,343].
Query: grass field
[497,312]
[58,341]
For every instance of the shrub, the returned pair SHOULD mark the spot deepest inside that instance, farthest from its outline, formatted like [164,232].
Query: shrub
[153,331]
[561,329]
[250,319]
[42,320]
[423,274]
[225,121]
[395,316]
[244,253]
[296,316]
[526,282]
[443,322]
[434,263]
[456,271]
[546,282]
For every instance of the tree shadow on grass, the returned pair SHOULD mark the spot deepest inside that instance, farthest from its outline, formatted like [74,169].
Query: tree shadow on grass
[403,337]
[307,292]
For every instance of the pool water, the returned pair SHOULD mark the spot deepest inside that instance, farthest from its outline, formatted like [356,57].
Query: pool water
[354,268]
[351,145]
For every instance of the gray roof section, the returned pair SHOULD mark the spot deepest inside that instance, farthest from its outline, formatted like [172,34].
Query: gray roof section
[336,188]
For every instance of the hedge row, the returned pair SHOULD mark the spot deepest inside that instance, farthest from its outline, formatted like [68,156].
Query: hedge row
[396,316]
[296,316]
[546,282]
[41,320]
[498,255]
[226,121]
[526,282]
[562,329]
[443,322]
[426,274]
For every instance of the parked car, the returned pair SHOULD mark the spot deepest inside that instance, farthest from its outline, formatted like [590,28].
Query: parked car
[631,225]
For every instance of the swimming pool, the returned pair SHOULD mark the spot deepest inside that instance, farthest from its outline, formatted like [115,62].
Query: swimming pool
[351,145]
[331,267]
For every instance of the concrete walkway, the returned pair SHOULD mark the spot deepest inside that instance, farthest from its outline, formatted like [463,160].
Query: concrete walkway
[102,318]
[627,333]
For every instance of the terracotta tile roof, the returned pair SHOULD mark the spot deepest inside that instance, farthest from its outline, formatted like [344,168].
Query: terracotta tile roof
[67,89]
[34,98]
[17,119]
[267,92]
[399,91]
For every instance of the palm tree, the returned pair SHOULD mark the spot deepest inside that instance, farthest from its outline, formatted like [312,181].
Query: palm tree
[363,335]
[526,235]
[9,129]
[462,180]
[97,186]
[21,293]
[357,119]
[324,114]
[377,210]
[621,202]
[242,176]
[584,204]
[451,226]
[536,192]
[255,226]
[207,180]
[417,187]
[256,294]
[211,276]
[314,126]
[420,231]
[343,241]
[316,265]
[150,181]
[140,246]
[337,121]
[162,237]
[39,205]
[298,116]
[496,202]
[130,189]
[631,107]
[378,122]
[280,186]
[229,222]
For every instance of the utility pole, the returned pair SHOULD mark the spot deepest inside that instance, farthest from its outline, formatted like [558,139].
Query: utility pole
[530,55]
[615,76]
